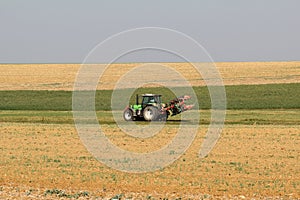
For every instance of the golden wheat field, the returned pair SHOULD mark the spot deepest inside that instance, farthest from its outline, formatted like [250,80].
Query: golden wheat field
[62,76]
[49,161]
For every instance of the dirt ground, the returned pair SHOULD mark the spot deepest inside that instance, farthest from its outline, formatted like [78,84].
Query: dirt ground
[63,76]
[46,161]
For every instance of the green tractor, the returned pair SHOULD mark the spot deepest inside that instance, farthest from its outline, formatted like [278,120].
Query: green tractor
[150,109]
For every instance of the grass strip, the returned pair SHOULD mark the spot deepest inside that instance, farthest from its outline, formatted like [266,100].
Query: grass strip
[270,96]
[260,117]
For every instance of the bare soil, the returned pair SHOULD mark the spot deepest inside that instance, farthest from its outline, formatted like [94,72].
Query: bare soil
[249,161]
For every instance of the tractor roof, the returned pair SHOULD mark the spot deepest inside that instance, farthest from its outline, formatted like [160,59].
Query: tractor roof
[151,95]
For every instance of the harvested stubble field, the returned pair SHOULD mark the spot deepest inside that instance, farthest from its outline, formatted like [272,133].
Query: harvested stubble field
[257,155]
[249,160]
[62,76]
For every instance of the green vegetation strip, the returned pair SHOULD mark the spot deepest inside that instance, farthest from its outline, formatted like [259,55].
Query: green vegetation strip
[270,96]
[259,117]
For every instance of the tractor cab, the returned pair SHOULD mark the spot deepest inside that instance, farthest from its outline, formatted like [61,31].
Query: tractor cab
[151,99]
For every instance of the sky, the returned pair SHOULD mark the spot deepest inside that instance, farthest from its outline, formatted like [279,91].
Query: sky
[65,31]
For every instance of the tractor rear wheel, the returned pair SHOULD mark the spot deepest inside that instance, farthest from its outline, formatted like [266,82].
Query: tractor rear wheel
[150,113]
[128,115]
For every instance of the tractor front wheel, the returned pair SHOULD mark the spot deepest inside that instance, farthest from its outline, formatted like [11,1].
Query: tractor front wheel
[128,115]
[150,113]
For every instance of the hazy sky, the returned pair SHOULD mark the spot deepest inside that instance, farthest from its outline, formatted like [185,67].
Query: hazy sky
[64,31]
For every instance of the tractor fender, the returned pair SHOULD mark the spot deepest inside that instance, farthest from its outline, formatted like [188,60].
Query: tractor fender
[128,107]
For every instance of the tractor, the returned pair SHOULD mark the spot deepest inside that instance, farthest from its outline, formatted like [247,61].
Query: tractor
[151,108]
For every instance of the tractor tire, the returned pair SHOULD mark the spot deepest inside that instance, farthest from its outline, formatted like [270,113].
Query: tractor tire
[128,115]
[150,113]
